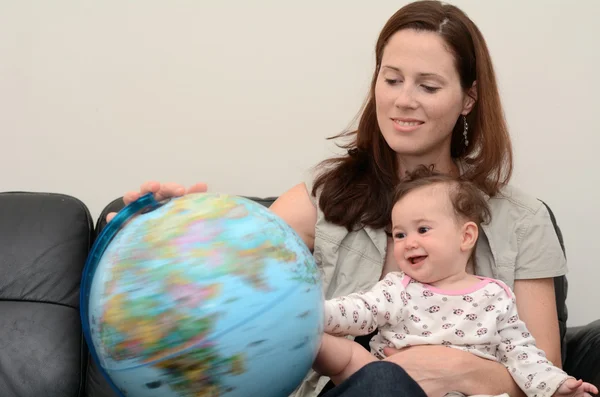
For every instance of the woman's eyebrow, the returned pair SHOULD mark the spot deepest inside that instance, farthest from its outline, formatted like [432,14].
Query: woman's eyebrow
[422,75]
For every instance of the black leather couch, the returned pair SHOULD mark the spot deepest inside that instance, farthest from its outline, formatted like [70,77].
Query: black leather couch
[44,241]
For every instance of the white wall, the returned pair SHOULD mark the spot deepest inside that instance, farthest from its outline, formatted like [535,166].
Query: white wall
[97,97]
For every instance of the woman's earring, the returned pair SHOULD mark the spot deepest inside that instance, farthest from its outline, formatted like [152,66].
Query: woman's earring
[466,131]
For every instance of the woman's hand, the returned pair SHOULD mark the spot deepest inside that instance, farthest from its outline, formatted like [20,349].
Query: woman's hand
[440,370]
[161,192]
[436,369]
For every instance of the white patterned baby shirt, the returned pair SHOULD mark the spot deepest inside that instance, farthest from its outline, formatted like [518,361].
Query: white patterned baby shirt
[482,320]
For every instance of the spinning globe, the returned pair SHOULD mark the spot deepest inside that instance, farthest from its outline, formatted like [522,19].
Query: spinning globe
[202,295]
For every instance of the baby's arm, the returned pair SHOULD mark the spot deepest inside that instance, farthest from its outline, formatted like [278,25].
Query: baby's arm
[576,388]
[526,363]
[361,313]
[338,358]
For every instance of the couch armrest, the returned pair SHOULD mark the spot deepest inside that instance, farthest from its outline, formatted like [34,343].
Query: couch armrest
[583,353]
[44,241]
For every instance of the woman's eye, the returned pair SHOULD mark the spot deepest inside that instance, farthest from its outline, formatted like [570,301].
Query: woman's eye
[392,81]
[423,229]
[430,89]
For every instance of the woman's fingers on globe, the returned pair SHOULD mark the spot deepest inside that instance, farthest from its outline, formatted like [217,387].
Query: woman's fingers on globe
[161,192]
[130,197]
[150,187]
[167,190]
[197,188]
[147,187]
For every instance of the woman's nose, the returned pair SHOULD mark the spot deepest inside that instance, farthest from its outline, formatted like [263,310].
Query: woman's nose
[405,97]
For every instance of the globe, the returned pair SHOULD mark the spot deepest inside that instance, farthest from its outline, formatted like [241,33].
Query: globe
[204,295]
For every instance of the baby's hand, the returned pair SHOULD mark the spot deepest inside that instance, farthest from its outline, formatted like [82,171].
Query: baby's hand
[576,388]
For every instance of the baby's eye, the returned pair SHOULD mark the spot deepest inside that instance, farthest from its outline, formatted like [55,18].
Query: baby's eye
[400,235]
[423,229]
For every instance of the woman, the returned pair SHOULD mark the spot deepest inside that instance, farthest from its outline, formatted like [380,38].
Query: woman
[433,101]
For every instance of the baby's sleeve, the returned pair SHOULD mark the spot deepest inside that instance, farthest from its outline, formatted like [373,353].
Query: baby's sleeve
[361,313]
[526,363]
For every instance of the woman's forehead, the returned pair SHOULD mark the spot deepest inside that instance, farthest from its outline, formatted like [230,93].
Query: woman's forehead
[419,52]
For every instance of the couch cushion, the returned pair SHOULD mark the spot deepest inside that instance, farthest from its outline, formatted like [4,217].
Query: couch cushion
[583,358]
[44,241]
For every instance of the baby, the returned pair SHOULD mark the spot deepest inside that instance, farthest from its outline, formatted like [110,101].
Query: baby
[434,300]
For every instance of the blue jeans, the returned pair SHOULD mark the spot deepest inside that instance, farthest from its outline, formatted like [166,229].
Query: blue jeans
[379,378]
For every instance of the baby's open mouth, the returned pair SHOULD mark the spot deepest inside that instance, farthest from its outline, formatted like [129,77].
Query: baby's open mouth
[416,259]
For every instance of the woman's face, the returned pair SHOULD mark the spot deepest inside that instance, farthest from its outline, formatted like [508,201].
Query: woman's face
[418,96]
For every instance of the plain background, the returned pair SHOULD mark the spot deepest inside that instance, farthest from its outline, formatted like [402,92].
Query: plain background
[98,96]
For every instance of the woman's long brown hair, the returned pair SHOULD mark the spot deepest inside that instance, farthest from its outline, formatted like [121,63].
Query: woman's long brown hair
[356,189]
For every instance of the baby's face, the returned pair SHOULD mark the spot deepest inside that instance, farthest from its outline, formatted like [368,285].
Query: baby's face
[427,235]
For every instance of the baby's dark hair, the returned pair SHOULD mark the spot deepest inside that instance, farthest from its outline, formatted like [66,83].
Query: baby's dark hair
[467,200]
